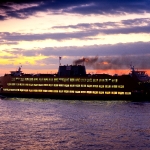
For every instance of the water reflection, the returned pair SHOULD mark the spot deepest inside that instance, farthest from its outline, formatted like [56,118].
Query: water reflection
[57,124]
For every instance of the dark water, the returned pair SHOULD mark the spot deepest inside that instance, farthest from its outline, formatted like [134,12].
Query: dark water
[45,124]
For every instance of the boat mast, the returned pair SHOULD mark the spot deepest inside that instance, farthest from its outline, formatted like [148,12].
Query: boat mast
[59,61]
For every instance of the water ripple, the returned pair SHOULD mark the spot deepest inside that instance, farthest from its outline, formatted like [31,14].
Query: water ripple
[48,124]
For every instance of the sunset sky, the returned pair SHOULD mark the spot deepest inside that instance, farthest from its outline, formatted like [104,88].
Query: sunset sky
[34,33]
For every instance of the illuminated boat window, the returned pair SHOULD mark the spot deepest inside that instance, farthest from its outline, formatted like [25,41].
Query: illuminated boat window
[71,85]
[66,85]
[30,90]
[66,80]
[114,86]
[40,79]
[61,79]
[121,93]
[83,85]
[95,92]
[50,84]
[60,91]
[40,84]
[30,84]
[89,85]
[26,79]
[71,79]
[9,84]
[127,93]
[55,85]
[66,91]
[35,79]
[50,79]
[45,79]
[77,79]
[61,85]
[107,92]
[14,89]
[17,84]
[107,86]
[13,84]
[114,92]
[106,80]
[101,86]
[120,86]
[22,79]
[55,79]
[95,80]
[45,90]
[39,90]
[55,91]
[77,91]
[30,79]
[115,80]
[35,84]
[50,91]
[21,84]
[71,91]
[77,85]
[89,92]
[101,92]
[35,90]
[17,79]
[89,80]
[26,84]
[23,90]
[95,86]
[5,89]
[83,80]
[101,80]
[45,84]
[83,91]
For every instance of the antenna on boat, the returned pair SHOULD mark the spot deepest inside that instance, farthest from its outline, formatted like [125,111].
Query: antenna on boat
[132,67]
[59,61]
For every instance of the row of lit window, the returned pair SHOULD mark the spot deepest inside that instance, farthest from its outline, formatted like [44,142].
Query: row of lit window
[69,91]
[67,85]
[66,79]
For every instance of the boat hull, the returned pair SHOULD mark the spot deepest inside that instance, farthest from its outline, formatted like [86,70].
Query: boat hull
[133,97]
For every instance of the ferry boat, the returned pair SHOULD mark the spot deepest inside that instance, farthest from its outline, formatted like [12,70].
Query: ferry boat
[72,82]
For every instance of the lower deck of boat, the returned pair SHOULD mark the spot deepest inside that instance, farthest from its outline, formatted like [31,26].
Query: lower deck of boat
[133,97]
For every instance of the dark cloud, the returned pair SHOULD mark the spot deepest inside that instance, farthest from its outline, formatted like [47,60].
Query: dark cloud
[138,21]
[118,56]
[138,48]
[2,17]
[88,25]
[68,6]
[44,36]
[8,42]
[128,23]
[82,35]
[87,31]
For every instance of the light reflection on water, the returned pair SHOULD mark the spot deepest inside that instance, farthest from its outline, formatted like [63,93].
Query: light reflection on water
[45,124]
